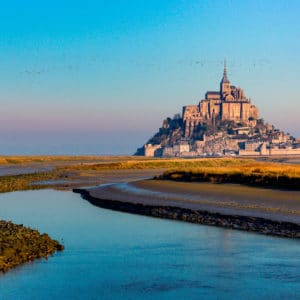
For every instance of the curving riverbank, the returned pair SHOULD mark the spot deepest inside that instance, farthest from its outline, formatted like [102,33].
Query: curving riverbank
[19,244]
[145,198]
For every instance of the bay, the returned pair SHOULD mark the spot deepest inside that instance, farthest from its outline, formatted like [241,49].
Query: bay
[113,255]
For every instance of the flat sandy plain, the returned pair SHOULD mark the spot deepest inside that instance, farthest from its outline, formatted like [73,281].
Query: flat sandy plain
[232,199]
[136,186]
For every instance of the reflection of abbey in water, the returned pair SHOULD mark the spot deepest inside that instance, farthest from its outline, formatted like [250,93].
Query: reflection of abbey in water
[230,104]
[224,123]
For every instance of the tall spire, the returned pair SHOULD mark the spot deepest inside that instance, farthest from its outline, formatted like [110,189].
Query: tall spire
[225,79]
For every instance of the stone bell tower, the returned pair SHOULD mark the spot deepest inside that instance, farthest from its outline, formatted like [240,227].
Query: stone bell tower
[225,84]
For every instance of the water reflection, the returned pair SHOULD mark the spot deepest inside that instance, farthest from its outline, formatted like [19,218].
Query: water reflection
[112,255]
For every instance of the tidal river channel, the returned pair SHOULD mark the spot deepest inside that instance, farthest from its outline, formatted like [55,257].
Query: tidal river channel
[113,255]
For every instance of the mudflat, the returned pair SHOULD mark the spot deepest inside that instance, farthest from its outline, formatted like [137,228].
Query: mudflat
[127,180]
[228,199]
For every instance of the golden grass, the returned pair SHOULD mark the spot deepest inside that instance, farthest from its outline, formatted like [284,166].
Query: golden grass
[162,164]
[28,159]
[90,169]
[5,160]
[251,173]
[205,169]
[23,182]
[252,168]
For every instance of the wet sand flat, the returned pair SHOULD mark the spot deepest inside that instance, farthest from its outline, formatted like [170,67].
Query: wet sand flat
[134,186]
[231,199]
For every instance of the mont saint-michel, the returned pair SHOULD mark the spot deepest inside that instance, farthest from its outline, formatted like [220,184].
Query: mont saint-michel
[225,122]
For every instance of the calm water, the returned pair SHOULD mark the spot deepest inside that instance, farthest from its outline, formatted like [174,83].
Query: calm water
[111,255]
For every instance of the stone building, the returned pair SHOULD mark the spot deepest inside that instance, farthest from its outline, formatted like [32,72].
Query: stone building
[151,150]
[180,149]
[229,103]
[224,123]
[264,149]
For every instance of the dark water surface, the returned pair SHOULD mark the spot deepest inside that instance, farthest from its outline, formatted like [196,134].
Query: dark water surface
[112,255]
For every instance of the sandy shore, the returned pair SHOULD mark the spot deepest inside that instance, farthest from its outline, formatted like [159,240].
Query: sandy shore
[228,205]
[221,198]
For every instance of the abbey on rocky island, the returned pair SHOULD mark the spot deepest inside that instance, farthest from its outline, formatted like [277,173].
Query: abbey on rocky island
[230,104]
[224,123]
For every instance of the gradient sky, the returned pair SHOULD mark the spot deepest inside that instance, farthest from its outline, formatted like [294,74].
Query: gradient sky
[99,77]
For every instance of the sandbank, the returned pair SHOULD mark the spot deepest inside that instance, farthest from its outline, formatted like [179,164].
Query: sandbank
[268,211]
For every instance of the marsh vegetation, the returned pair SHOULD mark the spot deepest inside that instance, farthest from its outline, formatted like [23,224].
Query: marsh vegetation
[218,170]
[264,174]
[19,244]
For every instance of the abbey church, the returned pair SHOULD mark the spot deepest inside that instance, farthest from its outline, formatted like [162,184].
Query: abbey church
[230,103]
[224,123]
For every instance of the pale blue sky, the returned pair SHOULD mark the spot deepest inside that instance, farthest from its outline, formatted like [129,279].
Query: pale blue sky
[100,76]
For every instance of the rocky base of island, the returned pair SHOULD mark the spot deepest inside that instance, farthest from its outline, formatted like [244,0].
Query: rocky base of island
[239,222]
[19,244]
